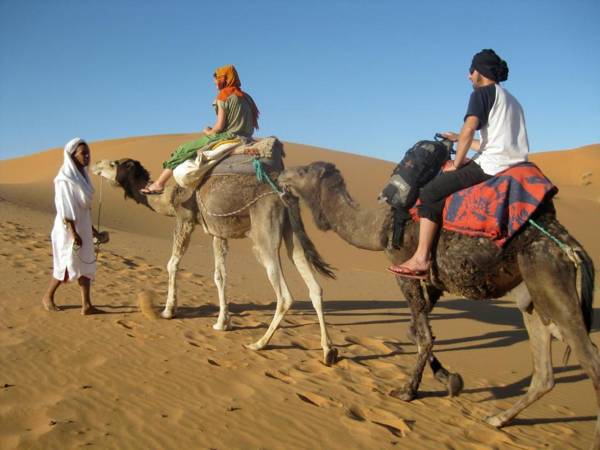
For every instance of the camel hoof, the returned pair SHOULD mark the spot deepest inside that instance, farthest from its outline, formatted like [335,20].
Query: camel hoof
[167,314]
[406,394]
[331,357]
[494,421]
[255,346]
[222,326]
[455,384]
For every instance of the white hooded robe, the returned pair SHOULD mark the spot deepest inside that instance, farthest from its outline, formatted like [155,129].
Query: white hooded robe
[73,194]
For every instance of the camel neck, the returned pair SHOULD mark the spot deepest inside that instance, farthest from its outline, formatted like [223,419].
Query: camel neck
[157,203]
[366,229]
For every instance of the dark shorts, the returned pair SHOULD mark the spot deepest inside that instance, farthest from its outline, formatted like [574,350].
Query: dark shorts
[433,194]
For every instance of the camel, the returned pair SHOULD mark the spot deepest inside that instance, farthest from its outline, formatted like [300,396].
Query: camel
[541,276]
[232,207]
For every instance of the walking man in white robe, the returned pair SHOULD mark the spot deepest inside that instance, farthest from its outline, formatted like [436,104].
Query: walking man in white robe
[73,233]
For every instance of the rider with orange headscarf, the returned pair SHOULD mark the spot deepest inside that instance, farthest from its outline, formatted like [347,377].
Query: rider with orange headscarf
[237,115]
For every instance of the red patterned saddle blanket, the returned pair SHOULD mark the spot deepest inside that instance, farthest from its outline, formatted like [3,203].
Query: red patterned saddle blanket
[499,207]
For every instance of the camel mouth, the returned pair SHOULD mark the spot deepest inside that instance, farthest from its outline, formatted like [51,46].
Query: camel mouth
[97,168]
[284,180]
[105,169]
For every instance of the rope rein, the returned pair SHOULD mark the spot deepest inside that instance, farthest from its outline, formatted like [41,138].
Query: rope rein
[237,211]
[263,176]
[570,251]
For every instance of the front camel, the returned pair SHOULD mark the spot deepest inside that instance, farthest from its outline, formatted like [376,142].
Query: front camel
[232,207]
[541,276]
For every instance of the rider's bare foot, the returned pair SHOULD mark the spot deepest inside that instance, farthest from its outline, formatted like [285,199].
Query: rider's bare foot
[90,309]
[49,304]
[413,266]
[153,189]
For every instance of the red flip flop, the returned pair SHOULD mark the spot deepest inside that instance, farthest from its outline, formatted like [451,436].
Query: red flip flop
[405,272]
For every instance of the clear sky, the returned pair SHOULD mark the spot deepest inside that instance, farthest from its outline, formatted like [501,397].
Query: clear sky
[369,77]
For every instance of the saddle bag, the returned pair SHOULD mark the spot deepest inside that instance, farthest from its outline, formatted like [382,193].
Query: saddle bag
[420,164]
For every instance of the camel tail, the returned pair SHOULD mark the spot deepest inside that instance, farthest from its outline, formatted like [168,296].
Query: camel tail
[310,252]
[587,295]
[587,288]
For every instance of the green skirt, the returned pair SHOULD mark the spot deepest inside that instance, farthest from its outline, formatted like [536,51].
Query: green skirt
[189,149]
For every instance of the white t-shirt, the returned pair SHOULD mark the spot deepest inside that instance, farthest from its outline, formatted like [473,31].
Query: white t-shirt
[502,127]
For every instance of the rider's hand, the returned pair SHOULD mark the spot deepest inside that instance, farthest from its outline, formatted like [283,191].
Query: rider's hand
[448,166]
[450,135]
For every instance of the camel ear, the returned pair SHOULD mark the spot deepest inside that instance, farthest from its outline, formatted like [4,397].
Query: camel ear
[324,168]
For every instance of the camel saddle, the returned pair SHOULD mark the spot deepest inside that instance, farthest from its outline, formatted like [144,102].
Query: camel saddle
[230,157]
[499,207]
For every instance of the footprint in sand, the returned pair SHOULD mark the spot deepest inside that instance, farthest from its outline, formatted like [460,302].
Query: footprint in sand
[396,426]
[273,355]
[314,399]
[562,410]
[127,324]
[373,344]
[310,367]
[279,376]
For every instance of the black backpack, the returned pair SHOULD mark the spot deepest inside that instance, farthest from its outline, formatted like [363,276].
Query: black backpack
[420,164]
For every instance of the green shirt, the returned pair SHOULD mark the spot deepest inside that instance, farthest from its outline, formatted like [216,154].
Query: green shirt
[239,118]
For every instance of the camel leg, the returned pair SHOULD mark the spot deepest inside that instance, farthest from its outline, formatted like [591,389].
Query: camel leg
[220,249]
[550,279]
[587,355]
[419,310]
[181,240]
[542,379]
[315,292]
[266,235]
[452,381]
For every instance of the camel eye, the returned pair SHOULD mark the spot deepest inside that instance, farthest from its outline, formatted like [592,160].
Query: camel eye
[302,171]
[112,164]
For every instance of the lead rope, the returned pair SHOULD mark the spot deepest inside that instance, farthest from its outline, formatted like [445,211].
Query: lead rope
[96,243]
[263,176]
[570,251]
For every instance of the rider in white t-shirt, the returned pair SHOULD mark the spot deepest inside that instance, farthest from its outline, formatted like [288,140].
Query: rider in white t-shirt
[499,117]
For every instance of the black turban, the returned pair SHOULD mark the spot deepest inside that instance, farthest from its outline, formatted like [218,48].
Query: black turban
[490,65]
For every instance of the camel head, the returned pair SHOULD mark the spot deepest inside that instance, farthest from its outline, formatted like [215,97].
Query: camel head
[312,183]
[126,173]
[305,181]
[131,176]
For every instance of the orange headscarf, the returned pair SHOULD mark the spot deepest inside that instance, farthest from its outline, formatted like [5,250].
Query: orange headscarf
[228,83]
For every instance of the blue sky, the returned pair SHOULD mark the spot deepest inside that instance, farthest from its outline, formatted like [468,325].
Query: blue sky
[367,77]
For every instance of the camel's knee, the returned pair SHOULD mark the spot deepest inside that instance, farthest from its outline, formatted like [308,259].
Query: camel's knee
[542,383]
[172,266]
[284,306]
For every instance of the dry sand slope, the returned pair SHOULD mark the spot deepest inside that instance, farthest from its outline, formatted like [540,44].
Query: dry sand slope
[122,380]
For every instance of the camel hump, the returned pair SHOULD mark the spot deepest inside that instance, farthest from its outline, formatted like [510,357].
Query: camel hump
[269,150]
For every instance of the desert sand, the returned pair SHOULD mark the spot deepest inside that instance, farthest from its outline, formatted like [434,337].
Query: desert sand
[122,380]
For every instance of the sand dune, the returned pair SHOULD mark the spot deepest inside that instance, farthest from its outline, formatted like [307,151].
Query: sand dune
[122,380]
